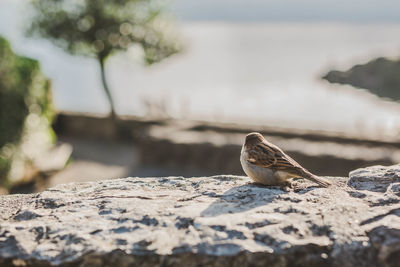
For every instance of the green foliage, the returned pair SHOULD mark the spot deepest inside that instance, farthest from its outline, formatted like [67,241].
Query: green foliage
[100,27]
[25,105]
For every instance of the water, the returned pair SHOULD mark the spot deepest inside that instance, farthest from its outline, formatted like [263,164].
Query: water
[260,72]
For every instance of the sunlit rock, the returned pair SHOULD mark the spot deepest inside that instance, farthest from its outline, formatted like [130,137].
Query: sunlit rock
[206,221]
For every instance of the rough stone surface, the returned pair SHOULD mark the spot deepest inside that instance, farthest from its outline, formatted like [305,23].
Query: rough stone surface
[206,221]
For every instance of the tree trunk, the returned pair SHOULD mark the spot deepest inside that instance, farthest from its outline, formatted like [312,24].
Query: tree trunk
[106,89]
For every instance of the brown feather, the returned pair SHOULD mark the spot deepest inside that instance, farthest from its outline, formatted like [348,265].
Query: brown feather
[264,154]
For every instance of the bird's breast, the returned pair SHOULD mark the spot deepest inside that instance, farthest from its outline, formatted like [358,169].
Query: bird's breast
[258,174]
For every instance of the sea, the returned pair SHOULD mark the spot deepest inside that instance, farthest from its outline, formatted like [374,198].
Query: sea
[245,72]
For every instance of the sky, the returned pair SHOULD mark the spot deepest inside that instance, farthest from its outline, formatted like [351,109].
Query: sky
[288,10]
[281,56]
[281,10]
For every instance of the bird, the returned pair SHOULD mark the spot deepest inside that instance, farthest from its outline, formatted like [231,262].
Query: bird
[265,163]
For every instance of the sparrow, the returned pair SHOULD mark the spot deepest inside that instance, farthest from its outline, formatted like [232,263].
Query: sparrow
[267,164]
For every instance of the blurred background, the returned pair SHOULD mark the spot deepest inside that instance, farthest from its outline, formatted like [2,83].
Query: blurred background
[102,89]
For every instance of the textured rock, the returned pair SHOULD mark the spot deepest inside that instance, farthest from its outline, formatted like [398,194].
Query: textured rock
[207,221]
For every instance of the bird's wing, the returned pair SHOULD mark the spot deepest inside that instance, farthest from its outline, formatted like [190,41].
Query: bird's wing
[262,156]
[270,156]
[267,155]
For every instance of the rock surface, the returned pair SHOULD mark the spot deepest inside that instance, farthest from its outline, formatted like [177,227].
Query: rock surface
[206,221]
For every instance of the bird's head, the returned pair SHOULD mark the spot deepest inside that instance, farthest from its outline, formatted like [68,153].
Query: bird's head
[253,139]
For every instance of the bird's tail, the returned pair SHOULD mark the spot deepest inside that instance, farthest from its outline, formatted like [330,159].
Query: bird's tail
[322,182]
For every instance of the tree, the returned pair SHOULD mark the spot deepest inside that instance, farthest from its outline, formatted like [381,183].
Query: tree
[99,28]
[26,113]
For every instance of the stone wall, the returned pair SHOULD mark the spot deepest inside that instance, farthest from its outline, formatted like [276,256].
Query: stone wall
[206,221]
[202,148]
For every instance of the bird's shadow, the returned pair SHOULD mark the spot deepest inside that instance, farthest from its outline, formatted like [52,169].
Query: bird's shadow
[243,198]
